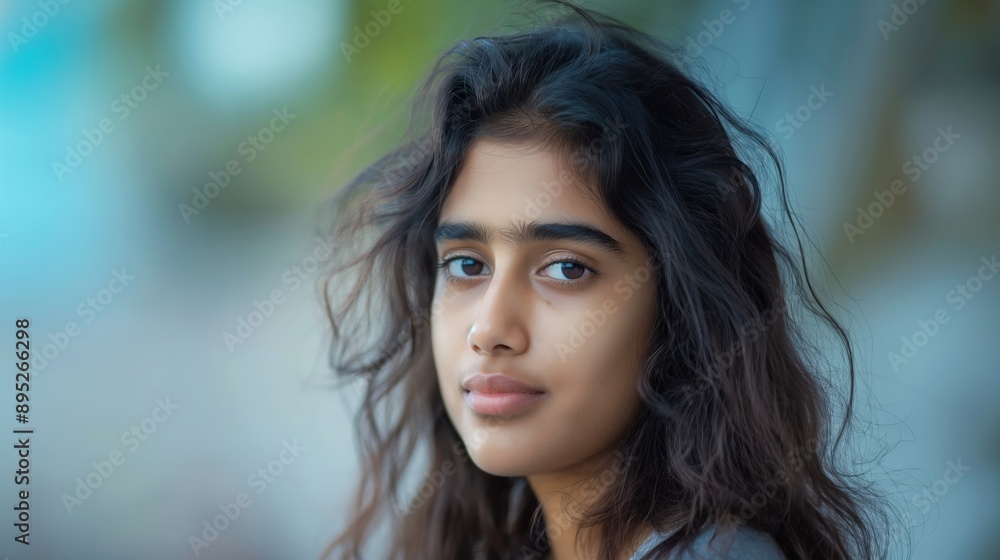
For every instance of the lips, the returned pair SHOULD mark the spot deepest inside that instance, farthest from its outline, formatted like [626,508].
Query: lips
[499,395]
[497,383]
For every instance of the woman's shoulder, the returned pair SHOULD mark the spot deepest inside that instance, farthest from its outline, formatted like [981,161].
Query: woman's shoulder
[742,543]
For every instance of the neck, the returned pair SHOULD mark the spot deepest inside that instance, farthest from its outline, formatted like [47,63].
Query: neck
[566,494]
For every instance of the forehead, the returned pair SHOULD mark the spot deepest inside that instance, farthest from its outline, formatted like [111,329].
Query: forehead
[504,182]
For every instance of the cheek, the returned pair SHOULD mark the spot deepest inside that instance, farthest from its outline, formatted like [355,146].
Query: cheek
[599,356]
[448,345]
[442,321]
[443,345]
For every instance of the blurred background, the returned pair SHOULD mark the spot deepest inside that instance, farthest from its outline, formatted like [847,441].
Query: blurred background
[161,169]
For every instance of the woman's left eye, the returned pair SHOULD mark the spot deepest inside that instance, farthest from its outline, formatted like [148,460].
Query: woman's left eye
[570,271]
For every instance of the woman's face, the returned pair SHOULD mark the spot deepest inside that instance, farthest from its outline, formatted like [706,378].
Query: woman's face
[542,285]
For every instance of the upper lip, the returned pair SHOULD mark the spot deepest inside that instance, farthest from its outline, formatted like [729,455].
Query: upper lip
[496,383]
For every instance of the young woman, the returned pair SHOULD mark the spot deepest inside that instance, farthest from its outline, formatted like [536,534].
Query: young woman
[563,290]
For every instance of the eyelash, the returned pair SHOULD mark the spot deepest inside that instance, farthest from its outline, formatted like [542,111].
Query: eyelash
[449,277]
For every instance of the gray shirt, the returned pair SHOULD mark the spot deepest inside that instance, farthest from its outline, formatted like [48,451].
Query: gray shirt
[747,544]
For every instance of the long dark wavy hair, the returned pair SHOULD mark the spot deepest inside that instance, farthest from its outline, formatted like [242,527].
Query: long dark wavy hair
[736,425]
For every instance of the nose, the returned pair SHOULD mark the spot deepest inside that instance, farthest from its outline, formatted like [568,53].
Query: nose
[499,326]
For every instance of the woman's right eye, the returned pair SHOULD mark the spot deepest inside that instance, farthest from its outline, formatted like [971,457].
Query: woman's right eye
[461,268]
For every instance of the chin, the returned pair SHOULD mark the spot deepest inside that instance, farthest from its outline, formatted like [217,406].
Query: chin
[499,460]
[512,460]
[500,466]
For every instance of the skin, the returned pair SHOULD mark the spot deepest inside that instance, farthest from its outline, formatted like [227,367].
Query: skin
[507,312]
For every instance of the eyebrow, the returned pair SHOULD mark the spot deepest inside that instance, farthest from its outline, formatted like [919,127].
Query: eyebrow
[530,232]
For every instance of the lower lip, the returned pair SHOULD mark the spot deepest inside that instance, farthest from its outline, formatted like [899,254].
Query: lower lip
[498,404]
